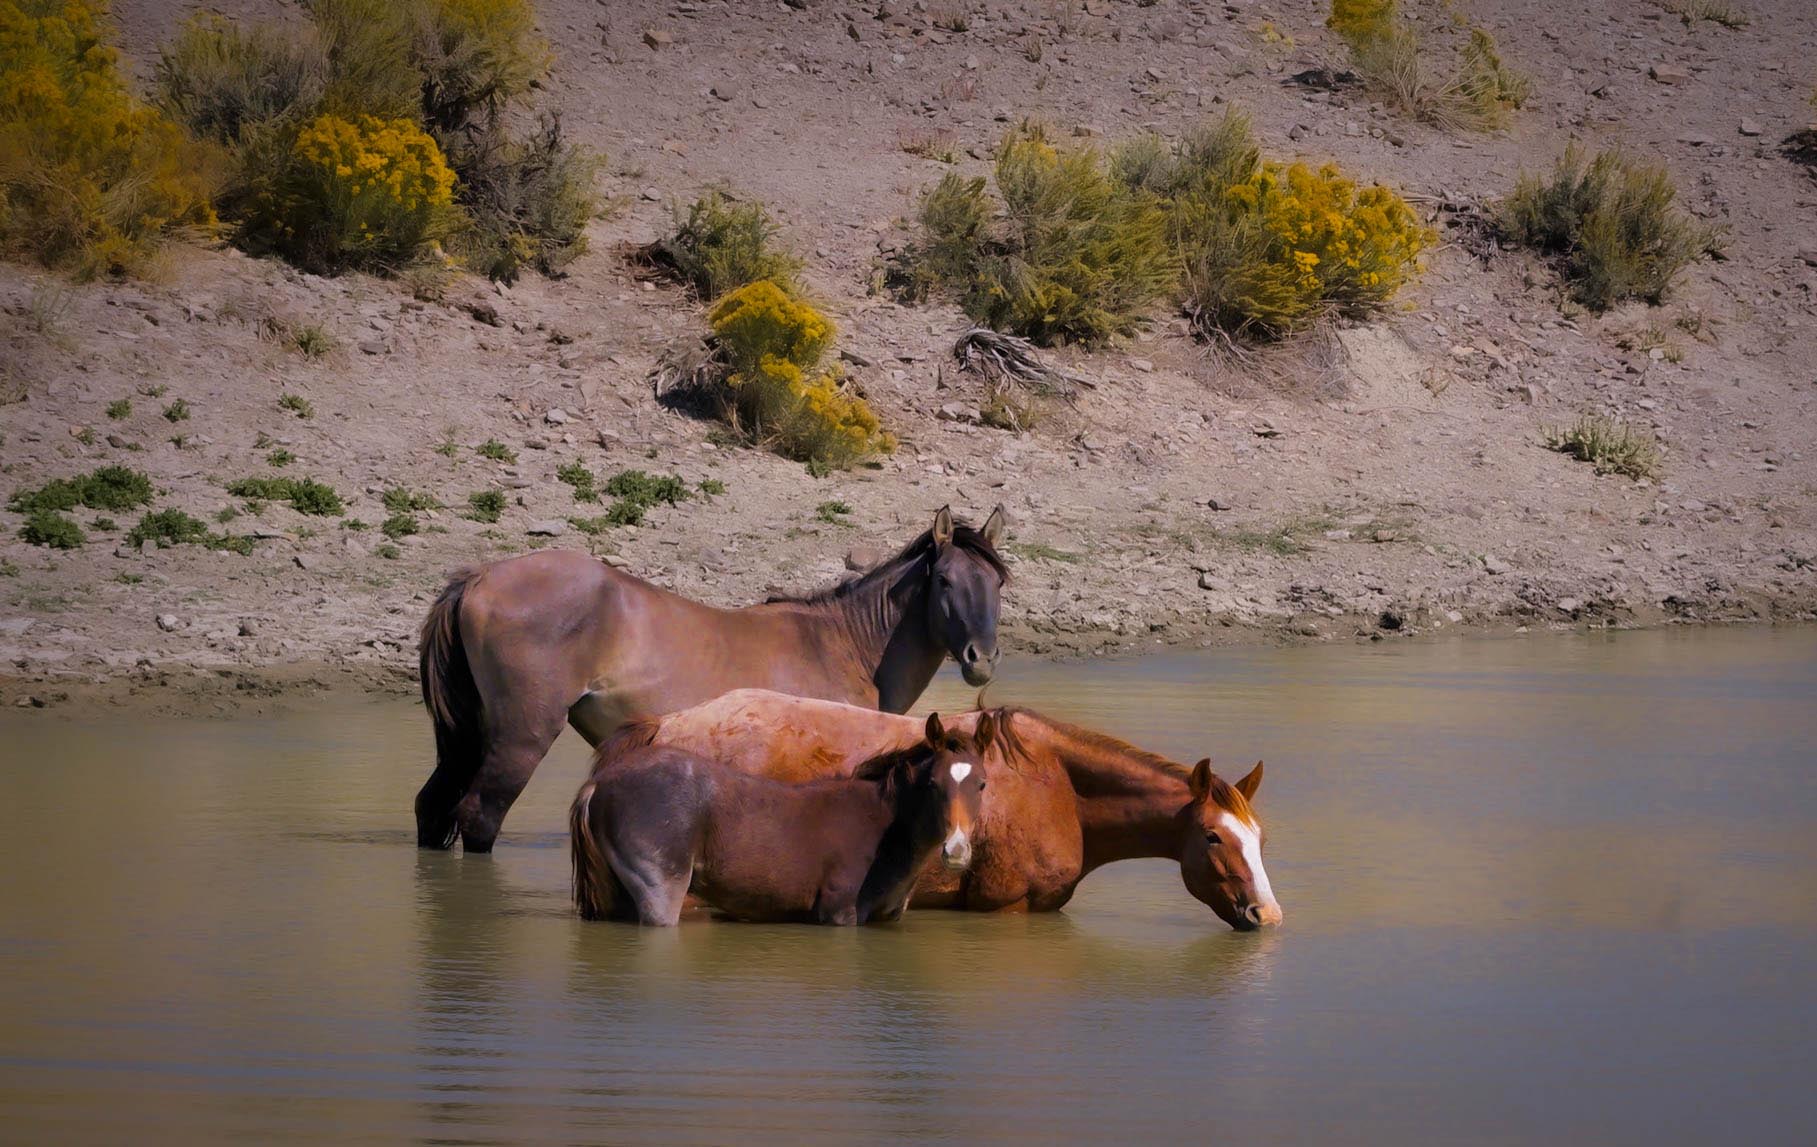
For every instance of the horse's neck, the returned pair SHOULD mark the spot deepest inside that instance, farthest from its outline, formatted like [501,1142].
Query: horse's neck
[1128,807]
[886,634]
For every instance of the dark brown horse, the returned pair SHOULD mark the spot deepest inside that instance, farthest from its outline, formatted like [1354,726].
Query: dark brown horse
[1063,800]
[512,650]
[662,823]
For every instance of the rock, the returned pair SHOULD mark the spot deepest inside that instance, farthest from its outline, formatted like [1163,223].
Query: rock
[169,622]
[1749,127]
[1353,129]
[1216,504]
[1211,581]
[861,558]
[960,412]
[248,629]
[1143,365]
[1495,565]
[266,533]
[856,358]
[371,346]
[1453,616]
[725,91]
[1808,255]
[1669,73]
[1337,535]
[653,194]
[1569,605]
[616,562]
[553,528]
[482,311]
[556,416]
[1391,619]
[658,39]
[304,561]
[1306,627]
[29,703]
[1385,536]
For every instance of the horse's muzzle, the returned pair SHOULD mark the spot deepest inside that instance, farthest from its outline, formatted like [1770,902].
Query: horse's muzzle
[956,851]
[976,668]
[1255,916]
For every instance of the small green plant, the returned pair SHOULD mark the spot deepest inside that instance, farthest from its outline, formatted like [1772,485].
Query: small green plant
[719,246]
[1715,11]
[712,487]
[398,500]
[1611,446]
[156,391]
[952,16]
[177,411]
[497,451]
[581,479]
[1609,224]
[354,525]
[51,529]
[296,404]
[1042,552]
[832,512]
[305,495]
[448,447]
[485,505]
[591,526]
[119,408]
[388,551]
[226,515]
[280,458]
[86,436]
[650,489]
[399,525]
[129,578]
[109,488]
[311,341]
[169,528]
[105,524]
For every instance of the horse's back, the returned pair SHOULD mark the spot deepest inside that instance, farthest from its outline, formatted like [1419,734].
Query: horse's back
[784,737]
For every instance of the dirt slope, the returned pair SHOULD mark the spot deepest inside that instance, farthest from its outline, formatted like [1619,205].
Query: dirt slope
[1392,482]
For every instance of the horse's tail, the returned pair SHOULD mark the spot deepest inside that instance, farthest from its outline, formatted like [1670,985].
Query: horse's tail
[593,879]
[453,701]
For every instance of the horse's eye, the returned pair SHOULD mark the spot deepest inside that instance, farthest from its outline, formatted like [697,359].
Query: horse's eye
[980,784]
[1212,837]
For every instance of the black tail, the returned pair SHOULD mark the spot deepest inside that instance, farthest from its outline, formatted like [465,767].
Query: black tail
[453,701]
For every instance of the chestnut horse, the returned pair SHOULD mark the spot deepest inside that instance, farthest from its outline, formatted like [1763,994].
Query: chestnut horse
[1063,800]
[512,650]
[663,823]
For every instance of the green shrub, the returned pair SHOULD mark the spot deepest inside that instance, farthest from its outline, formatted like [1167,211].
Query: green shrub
[475,56]
[527,201]
[775,389]
[120,408]
[369,46]
[109,488]
[297,405]
[485,505]
[398,500]
[1610,445]
[399,525]
[1610,224]
[719,246]
[305,495]
[49,528]
[177,411]
[497,451]
[649,489]
[225,84]
[1073,255]
[168,528]
[280,458]
[90,179]
[832,512]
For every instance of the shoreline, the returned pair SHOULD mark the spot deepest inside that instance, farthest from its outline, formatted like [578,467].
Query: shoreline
[257,689]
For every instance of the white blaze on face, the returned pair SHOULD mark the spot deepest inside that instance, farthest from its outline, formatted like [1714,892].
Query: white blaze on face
[1250,843]
[961,770]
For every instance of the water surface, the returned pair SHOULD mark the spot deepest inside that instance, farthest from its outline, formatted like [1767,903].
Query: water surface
[1536,890]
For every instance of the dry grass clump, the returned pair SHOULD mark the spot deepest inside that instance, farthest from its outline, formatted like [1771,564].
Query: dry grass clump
[720,245]
[775,388]
[1393,59]
[1690,12]
[1612,446]
[1610,224]
[91,179]
[1063,253]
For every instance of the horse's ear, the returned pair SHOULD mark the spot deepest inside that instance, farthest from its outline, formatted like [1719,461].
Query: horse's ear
[987,732]
[935,734]
[1199,781]
[943,526]
[993,527]
[1249,784]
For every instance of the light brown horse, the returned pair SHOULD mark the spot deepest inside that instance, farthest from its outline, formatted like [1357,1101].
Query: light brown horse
[663,823]
[512,650]
[1063,801]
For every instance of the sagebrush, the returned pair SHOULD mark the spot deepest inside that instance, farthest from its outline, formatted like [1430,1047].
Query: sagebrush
[1610,445]
[720,245]
[1611,225]
[1396,62]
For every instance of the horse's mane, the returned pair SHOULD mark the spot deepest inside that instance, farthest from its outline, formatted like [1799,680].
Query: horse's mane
[1222,792]
[970,540]
[880,765]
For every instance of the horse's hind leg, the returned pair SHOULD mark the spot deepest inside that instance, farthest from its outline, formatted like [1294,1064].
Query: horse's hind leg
[657,894]
[511,754]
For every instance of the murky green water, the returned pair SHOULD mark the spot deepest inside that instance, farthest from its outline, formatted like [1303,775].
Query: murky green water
[1558,889]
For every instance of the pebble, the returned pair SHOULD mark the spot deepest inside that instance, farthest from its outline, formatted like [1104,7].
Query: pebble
[1668,73]
[304,561]
[1217,505]
[169,622]
[552,528]
[1750,127]
[1495,565]
[658,39]
[556,416]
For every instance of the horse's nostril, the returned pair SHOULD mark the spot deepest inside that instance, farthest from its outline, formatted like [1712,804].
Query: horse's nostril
[1253,913]
[970,654]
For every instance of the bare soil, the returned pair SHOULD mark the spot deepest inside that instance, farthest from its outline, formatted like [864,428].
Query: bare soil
[1384,481]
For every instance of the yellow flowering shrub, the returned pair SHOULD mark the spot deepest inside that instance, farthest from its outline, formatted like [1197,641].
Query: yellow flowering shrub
[90,178]
[369,193]
[776,389]
[1268,254]
[1361,19]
